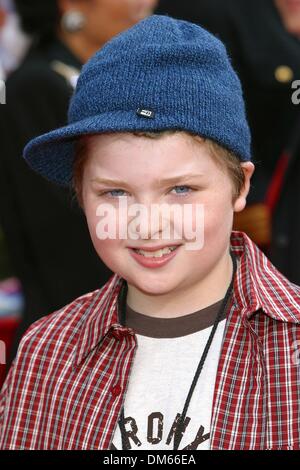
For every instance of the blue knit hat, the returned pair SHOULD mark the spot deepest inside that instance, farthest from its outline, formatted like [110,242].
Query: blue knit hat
[160,74]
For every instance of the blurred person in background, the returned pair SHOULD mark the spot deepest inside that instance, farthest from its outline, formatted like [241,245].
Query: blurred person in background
[13,41]
[263,39]
[13,46]
[42,232]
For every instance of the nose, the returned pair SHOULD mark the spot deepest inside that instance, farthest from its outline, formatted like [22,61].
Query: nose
[150,221]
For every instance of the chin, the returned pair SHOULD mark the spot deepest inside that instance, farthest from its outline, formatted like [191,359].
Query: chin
[153,287]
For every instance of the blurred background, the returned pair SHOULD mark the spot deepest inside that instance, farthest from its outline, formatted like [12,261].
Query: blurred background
[46,256]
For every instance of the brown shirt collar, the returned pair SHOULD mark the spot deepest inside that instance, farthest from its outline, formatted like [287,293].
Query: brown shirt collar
[172,327]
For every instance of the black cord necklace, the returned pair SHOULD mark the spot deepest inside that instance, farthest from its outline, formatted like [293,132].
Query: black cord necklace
[180,426]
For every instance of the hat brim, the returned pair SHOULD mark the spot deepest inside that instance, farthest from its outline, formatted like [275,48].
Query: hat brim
[52,154]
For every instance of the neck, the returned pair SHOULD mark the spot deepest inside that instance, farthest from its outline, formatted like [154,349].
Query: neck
[79,45]
[187,299]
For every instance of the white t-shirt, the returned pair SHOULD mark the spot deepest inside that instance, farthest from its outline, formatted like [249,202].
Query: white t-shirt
[165,362]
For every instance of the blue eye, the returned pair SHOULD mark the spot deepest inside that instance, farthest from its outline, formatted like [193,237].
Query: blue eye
[182,189]
[116,192]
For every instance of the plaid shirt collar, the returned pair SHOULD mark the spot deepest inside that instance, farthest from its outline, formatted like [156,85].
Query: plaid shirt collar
[258,287]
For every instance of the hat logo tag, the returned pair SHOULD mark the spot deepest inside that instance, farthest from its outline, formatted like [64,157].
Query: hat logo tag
[148,113]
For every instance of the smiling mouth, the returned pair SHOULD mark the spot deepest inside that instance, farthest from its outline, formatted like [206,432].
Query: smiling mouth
[157,253]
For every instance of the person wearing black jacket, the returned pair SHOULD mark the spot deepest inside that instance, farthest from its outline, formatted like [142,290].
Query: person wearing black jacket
[263,40]
[42,223]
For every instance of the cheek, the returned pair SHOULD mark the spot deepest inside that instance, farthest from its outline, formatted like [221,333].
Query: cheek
[213,241]
[217,204]
[107,249]
[103,225]
[218,216]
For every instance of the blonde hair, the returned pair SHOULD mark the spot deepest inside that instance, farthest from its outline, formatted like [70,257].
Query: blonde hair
[223,157]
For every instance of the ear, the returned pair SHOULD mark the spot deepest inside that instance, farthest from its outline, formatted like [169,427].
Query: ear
[240,203]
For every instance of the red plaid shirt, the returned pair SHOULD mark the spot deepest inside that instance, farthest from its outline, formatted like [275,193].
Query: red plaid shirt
[68,382]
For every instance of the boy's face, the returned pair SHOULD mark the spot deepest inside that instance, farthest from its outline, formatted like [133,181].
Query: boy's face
[140,168]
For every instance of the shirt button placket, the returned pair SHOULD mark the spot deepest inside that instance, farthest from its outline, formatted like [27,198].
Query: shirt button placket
[119,333]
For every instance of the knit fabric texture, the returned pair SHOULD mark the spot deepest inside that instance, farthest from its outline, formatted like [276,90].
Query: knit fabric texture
[162,73]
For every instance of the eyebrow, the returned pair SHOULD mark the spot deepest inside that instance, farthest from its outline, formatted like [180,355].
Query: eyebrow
[160,181]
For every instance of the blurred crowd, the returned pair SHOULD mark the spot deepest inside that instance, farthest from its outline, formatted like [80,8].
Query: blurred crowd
[45,250]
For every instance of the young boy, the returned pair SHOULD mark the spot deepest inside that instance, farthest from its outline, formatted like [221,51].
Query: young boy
[193,343]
